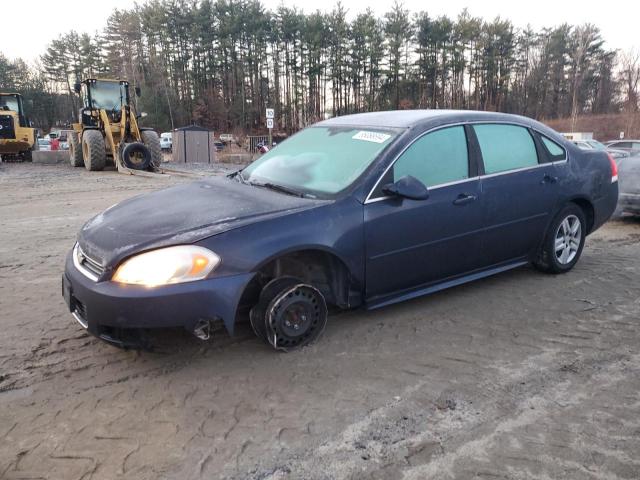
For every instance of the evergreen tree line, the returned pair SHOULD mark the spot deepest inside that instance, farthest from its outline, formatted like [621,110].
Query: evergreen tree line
[220,63]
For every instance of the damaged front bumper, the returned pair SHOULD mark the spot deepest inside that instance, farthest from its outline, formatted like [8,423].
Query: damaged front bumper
[109,310]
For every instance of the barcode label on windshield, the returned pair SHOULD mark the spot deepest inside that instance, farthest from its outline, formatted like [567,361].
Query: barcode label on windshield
[375,137]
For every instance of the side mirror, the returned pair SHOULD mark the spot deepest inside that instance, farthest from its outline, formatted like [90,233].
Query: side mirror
[407,187]
[138,91]
[77,87]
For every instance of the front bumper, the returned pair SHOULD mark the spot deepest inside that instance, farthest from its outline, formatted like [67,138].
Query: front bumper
[106,307]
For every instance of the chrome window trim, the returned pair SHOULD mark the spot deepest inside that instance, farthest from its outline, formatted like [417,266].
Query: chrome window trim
[478,177]
[79,267]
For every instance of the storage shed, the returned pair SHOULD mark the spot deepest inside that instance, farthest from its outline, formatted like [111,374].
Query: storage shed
[193,144]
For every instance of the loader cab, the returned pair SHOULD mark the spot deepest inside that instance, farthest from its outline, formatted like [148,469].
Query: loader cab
[12,102]
[108,95]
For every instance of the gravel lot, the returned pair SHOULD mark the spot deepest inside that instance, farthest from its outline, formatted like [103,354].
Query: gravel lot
[522,375]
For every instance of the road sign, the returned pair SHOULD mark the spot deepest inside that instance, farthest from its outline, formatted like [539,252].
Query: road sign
[270,113]
[269,123]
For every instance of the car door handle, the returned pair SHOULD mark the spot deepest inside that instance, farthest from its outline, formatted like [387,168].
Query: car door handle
[548,179]
[463,199]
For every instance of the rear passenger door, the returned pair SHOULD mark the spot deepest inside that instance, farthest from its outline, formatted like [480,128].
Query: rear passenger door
[519,189]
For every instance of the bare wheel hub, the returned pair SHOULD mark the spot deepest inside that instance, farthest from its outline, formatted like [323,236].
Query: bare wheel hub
[296,317]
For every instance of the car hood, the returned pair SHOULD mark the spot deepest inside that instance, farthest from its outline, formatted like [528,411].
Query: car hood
[182,214]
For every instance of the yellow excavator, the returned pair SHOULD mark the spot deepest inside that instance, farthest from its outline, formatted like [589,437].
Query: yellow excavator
[17,137]
[108,128]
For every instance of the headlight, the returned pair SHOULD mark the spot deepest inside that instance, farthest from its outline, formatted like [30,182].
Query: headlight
[184,263]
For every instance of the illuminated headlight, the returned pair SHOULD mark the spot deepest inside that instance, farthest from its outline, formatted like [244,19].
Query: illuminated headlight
[183,263]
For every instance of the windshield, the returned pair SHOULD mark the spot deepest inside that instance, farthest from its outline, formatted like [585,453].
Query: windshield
[107,95]
[9,102]
[321,160]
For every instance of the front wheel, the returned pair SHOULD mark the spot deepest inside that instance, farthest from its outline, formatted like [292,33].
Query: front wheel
[290,314]
[93,150]
[563,242]
[152,141]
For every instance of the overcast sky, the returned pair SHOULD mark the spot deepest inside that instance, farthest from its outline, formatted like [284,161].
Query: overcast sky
[618,20]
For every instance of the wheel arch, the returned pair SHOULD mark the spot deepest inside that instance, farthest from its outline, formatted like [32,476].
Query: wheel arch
[317,265]
[588,209]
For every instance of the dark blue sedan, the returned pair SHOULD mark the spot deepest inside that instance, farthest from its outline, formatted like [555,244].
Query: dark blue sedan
[362,210]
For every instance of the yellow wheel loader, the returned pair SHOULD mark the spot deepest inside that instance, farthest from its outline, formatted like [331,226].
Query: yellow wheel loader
[17,137]
[108,127]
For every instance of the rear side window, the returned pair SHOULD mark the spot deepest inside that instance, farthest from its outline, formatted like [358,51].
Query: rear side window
[436,158]
[505,147]
[555,151]
[621,145]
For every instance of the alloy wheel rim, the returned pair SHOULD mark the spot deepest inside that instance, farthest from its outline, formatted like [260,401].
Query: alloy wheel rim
[567,239]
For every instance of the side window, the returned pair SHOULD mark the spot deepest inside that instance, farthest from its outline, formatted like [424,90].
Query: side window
[555,151]
[636,144]
[436,158]
[621,145]
[505,147]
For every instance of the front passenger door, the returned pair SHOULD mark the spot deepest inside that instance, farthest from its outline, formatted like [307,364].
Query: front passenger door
[414,243]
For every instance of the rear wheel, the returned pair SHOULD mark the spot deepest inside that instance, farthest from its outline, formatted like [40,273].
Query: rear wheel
[289,314]
[75,151]
[93,150]
[563,242]
[152,141]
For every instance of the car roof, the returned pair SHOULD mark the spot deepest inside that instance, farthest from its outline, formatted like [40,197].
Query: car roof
[429,118]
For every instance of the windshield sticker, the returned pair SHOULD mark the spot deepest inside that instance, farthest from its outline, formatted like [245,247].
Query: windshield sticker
[375,137]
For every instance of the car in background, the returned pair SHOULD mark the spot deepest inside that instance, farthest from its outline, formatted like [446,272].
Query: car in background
[166,141]
[219,146]
[361,210]
[629,184]
[44,144]
[62,136]
[227,138]
[596,145]
[631,146]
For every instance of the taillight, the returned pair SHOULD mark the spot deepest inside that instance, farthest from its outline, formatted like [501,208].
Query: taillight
[614,169]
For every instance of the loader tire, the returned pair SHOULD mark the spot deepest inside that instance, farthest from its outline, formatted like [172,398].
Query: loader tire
[75,150]
[136,156]
[152,141]
[93,150]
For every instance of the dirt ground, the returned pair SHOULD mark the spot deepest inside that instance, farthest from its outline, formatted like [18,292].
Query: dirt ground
[522,375]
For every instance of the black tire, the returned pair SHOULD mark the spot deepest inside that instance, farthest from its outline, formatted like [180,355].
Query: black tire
[256,315]
[27,156]
[136,156]
[550,258]
[75,151]
[93,150]
[289,314]
[152,141]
